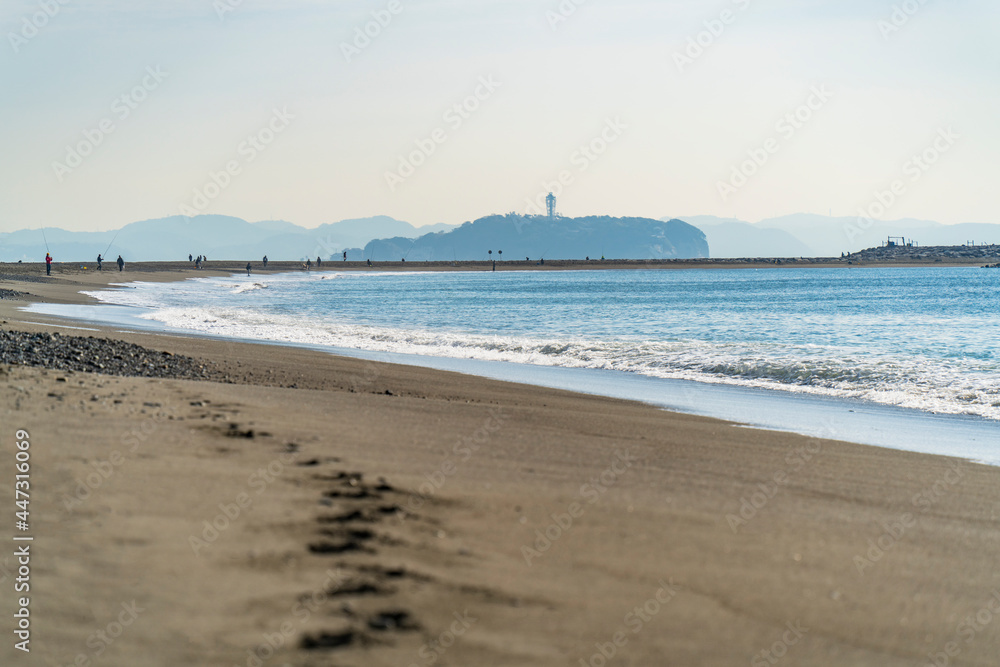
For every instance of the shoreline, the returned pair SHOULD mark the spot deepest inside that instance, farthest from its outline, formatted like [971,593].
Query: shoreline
[778,408]
[764,408]
[485,512]
[17,270]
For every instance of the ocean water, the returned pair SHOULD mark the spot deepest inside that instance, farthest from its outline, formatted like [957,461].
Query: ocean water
[922,338]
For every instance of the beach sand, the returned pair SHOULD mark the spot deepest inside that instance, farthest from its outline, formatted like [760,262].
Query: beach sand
[376,514]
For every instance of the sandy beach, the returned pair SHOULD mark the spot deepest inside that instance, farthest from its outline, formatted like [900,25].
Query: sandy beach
[298,508]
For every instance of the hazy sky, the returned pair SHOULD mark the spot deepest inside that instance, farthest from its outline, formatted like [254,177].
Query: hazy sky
[316,124]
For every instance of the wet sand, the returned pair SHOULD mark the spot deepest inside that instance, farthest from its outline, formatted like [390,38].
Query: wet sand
[307,509]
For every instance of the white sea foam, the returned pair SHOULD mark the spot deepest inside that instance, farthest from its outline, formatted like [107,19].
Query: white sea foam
[945,369]
[248,287]
[914,383]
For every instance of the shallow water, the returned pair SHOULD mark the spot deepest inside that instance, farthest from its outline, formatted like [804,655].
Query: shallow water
[921,338]
[900,358]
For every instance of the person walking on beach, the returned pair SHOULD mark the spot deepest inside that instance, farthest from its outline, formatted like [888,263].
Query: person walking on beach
[265,261]
[48,264]
[248,269]
[319,262]
[121,264]
[190,257]
[345,255]
[309,264]
[197,263]
[99,260]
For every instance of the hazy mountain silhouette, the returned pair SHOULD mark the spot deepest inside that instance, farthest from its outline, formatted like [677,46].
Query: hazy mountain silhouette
[215,236]
[538,237]
[734,238]
[824,236]
[226,237]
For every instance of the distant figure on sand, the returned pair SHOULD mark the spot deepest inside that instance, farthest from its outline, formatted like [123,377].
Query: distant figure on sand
[190,257]
[121,264]
[99,260]
[345,255]
[48,264]
[369,262]
[248,269]
[309,264]
[319,262]
[265,261]
[197,263]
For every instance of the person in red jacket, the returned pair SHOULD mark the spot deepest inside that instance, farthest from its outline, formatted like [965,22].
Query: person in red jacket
[48,264]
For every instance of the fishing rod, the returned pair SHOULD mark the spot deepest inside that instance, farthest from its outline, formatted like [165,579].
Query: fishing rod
[112,243]
[46,240]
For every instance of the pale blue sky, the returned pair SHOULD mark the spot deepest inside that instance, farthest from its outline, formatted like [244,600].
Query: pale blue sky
[684,131]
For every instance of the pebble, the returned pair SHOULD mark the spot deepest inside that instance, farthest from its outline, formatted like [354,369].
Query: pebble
[95,355]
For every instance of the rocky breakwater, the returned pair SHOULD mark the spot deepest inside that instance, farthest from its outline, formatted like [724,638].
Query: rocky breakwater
[928,253]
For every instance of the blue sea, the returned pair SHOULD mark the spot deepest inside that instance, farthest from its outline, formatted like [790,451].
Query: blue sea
[922,340]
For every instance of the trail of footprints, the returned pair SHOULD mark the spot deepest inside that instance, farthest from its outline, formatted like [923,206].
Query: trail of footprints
[347,529]
[357,507]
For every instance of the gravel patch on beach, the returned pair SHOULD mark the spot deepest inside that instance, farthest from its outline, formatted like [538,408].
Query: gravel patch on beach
[97,355]
[23,277]
[10,294]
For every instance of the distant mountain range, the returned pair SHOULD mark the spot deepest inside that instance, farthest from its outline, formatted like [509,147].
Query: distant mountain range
[512,236]
[215,236]
[808,235]
[386,239]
